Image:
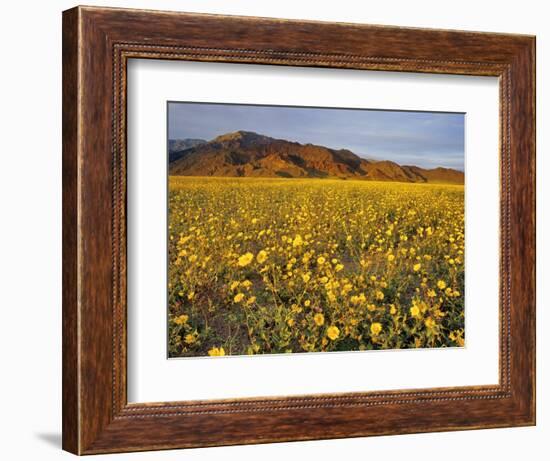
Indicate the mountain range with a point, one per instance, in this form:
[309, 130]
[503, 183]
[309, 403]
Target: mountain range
[248, 154]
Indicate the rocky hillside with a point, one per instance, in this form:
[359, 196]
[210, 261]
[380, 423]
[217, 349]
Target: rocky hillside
[248, 154]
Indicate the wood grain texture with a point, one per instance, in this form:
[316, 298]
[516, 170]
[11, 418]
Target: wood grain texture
[97, 43]
[70, 384]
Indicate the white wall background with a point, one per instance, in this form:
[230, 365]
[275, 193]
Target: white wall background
[30, 229]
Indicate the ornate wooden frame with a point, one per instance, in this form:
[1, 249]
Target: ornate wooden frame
[97, 43]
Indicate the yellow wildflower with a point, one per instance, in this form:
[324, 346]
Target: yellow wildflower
[375, 328]
[297, 241]
[319, 319]
[355, 300]
[321, 260]
[238, 297]
[333, 332]
[441, 284]
[190, 338]
[415, 311]
[429, 322]
[245, 259]
[416, 267]
[181, 319]
[262, 256]
[216, 352]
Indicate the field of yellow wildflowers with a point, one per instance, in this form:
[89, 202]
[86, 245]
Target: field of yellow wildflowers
[259, 265]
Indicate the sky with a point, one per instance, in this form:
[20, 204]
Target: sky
[424, 139]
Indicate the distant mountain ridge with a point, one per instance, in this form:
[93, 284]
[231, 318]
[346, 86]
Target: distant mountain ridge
[249, 154]
[179, 145]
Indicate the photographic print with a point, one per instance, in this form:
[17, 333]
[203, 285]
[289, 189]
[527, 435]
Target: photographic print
[310, 229]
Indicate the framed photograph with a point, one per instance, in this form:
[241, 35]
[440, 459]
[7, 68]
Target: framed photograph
[281, 230]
